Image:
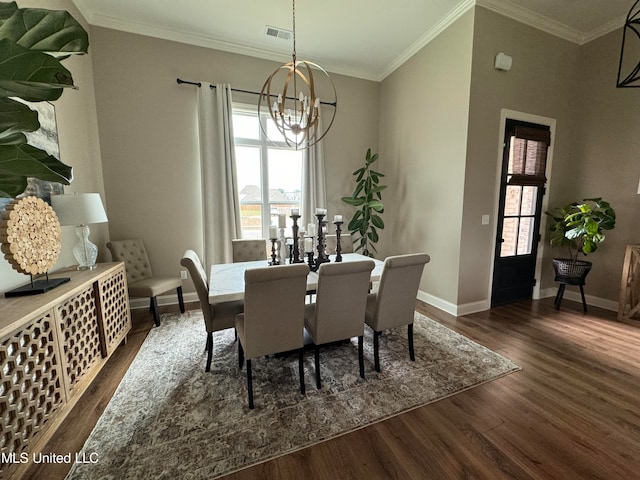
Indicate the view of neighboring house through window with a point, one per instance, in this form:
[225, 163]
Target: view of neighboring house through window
[269, 174]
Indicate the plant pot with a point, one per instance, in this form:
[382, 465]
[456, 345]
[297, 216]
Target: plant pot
[571, 272]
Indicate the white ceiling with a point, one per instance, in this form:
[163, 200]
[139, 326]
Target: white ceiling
[362, 38]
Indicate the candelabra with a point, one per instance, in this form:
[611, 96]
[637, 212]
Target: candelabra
[274, 257]
[282, 250]
[296, 247]
[322, 256]
[338, 247]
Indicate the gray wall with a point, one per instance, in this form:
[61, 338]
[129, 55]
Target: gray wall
[148, 135]
[541, 82]
[423, 131]
[605, 159]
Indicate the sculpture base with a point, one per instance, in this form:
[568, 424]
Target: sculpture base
[37, 287]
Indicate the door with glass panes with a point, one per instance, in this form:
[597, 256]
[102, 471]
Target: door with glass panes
[522, 187]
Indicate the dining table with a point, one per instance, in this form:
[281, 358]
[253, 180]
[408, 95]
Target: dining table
[226, 280]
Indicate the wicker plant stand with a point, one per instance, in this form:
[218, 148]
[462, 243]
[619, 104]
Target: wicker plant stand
[570, 272]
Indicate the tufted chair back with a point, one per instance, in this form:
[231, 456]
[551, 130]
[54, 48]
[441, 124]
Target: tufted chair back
[248, 250]
[134, 256]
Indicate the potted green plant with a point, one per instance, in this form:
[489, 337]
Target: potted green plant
[33, 42]
[579, 227]
[367, 195]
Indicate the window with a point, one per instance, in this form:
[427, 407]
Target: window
[269, 175]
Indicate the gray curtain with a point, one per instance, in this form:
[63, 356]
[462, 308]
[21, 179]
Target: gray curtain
[220, 202]
[314, 191]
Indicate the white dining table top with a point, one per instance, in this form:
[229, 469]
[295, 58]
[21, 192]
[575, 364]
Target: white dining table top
[226, 280]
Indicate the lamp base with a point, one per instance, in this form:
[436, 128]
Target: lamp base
[37, 287]
[89, 267]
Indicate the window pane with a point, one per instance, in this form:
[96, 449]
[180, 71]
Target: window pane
[512, 200]
[529, 199]
[249, 190]
[509, 236]
[525, 236]
[246, 126]
[285, 182]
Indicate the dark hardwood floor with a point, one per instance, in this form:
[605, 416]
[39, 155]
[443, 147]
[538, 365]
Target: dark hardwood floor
[573, 412]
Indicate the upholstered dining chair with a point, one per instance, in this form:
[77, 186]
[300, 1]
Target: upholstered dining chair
[346, 243]
[273, 318]
[339, 309]
[394, 303]
[248, 250]
[217, 316]
[141, 281]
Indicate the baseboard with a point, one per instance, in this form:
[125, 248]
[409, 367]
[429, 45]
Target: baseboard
[136, 303]
[574, 295]
[453, 309]
[481, 306]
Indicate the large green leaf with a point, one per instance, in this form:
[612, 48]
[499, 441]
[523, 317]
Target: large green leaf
[32, 76]
[6, 10]
[16, 117]
[29, 161]
[52, 31]
[12, 185]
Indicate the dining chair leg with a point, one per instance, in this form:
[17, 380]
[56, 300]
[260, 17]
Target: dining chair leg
[376, 354]
[154, 309]
[412, 355]
[361, 355]
[316, 354]
[301, 370]
[249, 384]
[240, 355]
[180, 299]
[209, 350]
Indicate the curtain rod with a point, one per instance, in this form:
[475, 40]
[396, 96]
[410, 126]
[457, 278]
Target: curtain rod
[199, 84]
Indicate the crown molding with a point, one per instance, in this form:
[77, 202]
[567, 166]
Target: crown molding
[548, 25]
[535, 20]
[145, 29]
[432, 33]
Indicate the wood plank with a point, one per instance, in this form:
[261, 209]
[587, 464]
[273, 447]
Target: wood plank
[572, 412]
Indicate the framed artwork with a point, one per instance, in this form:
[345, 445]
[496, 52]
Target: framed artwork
[45, 138]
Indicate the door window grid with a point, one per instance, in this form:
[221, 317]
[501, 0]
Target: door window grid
[526, 159]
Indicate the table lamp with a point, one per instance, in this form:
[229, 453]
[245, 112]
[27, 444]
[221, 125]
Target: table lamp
[81, 209]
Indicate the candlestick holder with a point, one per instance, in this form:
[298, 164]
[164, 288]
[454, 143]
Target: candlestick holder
[313, 266]
[322, 256]
[296, 244]
[338, 246]
[282, 247]
[274, 258]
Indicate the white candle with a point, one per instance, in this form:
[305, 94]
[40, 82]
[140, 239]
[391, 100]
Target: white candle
[337, 218]
[273, 231]
[321, 211]
[311, 229]
[308, 245]
[282, 220]
[295, 211]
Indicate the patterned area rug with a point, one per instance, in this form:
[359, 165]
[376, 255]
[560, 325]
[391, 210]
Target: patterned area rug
[170, 419]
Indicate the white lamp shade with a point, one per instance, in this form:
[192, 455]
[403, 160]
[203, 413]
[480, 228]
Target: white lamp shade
[79, 209]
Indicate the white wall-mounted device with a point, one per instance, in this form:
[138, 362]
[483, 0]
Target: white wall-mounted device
[503, 62]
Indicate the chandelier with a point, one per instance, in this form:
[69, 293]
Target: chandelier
[629, 68]
[295, 109]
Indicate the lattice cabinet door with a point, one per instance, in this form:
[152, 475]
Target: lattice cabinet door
[80, 336]
[31, 387]
[114, 302]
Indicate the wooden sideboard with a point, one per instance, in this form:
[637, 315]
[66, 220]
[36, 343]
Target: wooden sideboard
[52, 346]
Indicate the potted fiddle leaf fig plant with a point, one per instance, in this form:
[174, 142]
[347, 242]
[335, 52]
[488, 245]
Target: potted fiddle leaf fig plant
[367, 195]
[33, 43]
[579, 227]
